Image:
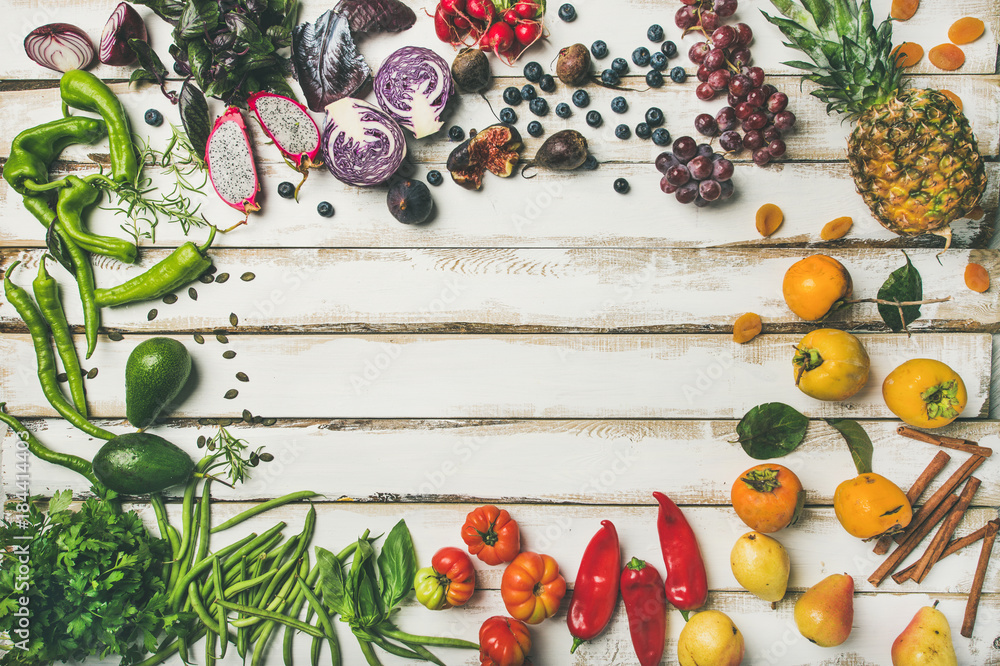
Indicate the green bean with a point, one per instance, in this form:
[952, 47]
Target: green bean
[298, 600]
[314, 651]
[210, 649]
[369, 652]
[324, 621]
[391, 631]
[273, 617]
[187, 516]
[281, 600]
[175, 544]
[261, 508]
[45, 359]
[182, 649]
[261, 646]
[178, 592]
[85, 285]
[236, 588]
[205, 520]
[46, 292]
[265, 592]
[221, 614]
[397, 650]
[424, 653]
[242, 634]
[199, 608]
[156, 499]
[167, 651]
[39, 450]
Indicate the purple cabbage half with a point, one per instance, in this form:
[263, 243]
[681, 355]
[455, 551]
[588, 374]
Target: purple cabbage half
[413, 85]
[362, 145]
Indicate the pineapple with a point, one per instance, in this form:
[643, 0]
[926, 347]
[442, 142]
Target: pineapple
[912, 153]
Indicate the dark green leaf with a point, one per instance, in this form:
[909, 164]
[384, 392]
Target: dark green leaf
[397, 564]
[194, 116]
[198, 18]
[771, 430]
[199, 58]
[904, 284]
[142, 75]
[56, 246]
[168, 10]
[858, 442]
[331, 574]
[148, 59]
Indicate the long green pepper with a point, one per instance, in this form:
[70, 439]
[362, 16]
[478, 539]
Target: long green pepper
[42, 452]
[46, 292]
[73, 201]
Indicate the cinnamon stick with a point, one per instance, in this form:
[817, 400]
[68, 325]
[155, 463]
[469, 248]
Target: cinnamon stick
[946, 442]
[972, 605]
[911, 541]
[939, 462]
[946, 530]
[954, 481]
[953, 547]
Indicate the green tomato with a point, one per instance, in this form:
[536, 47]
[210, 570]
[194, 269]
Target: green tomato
[429, 590]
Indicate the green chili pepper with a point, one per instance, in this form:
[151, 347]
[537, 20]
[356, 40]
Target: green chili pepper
[33, 151]
[47, 296]
[85, 285]
[39, 331]
[82, 90]
[185, 264]
[69, 461]
[73, 201]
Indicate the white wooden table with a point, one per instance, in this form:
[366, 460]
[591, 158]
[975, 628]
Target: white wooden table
[546, 344]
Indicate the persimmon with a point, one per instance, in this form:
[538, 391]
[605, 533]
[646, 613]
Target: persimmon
[870, 505]
[830, 364]
[768, 497]
[903, 10]
[947, 57]
[815, 286]
[908, 54]
[966, 30]
[925, 393]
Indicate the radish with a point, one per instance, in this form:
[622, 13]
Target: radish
[481, 9]
[499, 38]
[511, 17]
[526, 9]
[462, 23]
[527, 32]
[452, 7]
[446, 29]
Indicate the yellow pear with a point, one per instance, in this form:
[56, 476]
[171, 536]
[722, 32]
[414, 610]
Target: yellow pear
[926, 641]
[760, 564]
[710, 638]
[825, 612]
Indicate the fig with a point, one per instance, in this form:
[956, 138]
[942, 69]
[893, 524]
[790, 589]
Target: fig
[573, 65]
[471, 70]
[563, 151]
[410, 201]
[494, 149]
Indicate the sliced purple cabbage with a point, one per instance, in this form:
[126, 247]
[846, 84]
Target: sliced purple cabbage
[362, 145]
[327, 63]
[375, 16]
[413, 85]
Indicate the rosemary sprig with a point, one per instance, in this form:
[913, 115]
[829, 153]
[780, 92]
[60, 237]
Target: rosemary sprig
[229, 452]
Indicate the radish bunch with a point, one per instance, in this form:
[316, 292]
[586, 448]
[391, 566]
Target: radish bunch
[506, 27]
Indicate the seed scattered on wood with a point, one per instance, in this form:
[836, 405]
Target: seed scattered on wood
[221, 338]
[258, 419]
[769, 218]
[92, 373]
[201, 441]
[115, 336]
[211, 269]
[903, 10]
[199, 338]
[170, 299]
[269, 422]
[151, 315]
[966, 30]
[746, 328]
[977, 278]
[246, 277]
[234, 320]
[229, 353]
[61, 377]
[206, 279]
[247, 416]
[193, 293]
[947, 57]
[230, 394]
[206, 422]
[836, 228]
[242, 377]
[225, 423]
[221, 277]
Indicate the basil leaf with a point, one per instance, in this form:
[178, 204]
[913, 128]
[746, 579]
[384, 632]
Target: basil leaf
[397, 565]
[331, 576]
[142, 75]
[168, 10]
[56, 246]
[148, 60]
[771, 430]
[194, 116]
[904, 284]
[858, 442]
[198, 18]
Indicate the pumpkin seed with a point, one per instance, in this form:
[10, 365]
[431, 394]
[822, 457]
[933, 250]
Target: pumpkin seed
[170, 299]
[92, 373]
[229, 353]
[193, 293]
[206, 279]
[211, 270]
[225, 423]
[201, 441]
[269, 422]
[221, 277]
[233, 319]
[62, 378]
[151, 315]
[247, 416]
[266, 457]
[116, 336]
[230, 394]
[222, 338]
[254, 459]
[242, 376]
[199, 338]
[257, 420]
[246, 277]
[206, 422]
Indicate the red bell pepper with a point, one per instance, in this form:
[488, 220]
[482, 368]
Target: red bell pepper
[646, 605]
[687, 583]
[596, 591]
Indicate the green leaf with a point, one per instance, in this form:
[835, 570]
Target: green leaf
[331, 576]
[60, 501]
[142, 75]
[194, 116]
[148, 60]
[771, 430]
[904, 284]
[198, 18]
[397, 565]
[858, 442]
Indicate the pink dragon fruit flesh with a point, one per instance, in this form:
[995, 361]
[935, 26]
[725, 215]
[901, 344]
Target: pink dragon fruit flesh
[289, 125]
[230, 163]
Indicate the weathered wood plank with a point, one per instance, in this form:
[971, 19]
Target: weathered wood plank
[576, 209]
[522, 376]
[598, 462]
[539, 290]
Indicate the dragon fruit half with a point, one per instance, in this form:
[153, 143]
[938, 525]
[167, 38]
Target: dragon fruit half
[292, 129]
[230, 163]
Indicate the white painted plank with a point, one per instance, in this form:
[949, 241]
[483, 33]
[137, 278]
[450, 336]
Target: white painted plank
[523, 376]
[469, 290]
[928, 26]
[591, 462]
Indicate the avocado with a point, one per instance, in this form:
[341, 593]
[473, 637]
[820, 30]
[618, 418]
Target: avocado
[155, 373]
[137, 463]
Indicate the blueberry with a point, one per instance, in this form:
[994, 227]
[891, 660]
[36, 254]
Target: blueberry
[563, 110]
[547, 83]
[590, 164]
[533, 71]
[641, 57]
[659, 61]
[654, 79]
[661, 137]
[619, 105]
[286, 190]
[512, 96]
[654, 117]
[528, 92]
[678, 75]
[567, 12]
[609, 77]
[643, 131]
[620, 66]
[539, 106]
[623, 132]
[594, 118]
[581, 98]
[434, 177]
[668, 48]
[325, 208]
[153, 118]
[621, 186]
[599, 49]
[508, 116]
[456, 133]
[535, 128]
[655, 33]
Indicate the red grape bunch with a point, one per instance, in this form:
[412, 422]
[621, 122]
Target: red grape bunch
[695, 173]
[756, 108]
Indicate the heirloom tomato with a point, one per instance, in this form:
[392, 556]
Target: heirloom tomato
[449, 581]
[504, 641]
[492, 535]
[532, 587]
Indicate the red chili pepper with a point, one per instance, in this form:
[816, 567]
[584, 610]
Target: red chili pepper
[687, 584]
[646, 606]
[596, 591]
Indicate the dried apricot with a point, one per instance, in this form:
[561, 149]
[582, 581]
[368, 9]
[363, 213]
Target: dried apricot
[976, 213]
[746, 328]
[947, 57]
[953, 97]
[966, 30]
[903, 10]
[769, 218]
[976, 278]
[836, 228]
[908, 54]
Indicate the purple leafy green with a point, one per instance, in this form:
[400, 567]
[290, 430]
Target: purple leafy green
[376, 16]
[327, 63]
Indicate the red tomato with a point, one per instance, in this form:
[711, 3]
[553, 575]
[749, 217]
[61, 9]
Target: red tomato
[503, 641]
[532, 587]
[492, 535]
[456, 566]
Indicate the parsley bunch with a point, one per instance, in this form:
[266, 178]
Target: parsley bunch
[94, 584]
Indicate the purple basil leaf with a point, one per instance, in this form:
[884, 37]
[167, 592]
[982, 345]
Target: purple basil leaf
[327, 63]
[376, 16]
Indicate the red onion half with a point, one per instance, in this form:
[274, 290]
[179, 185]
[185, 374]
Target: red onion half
[59, 46]
[124, 24]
